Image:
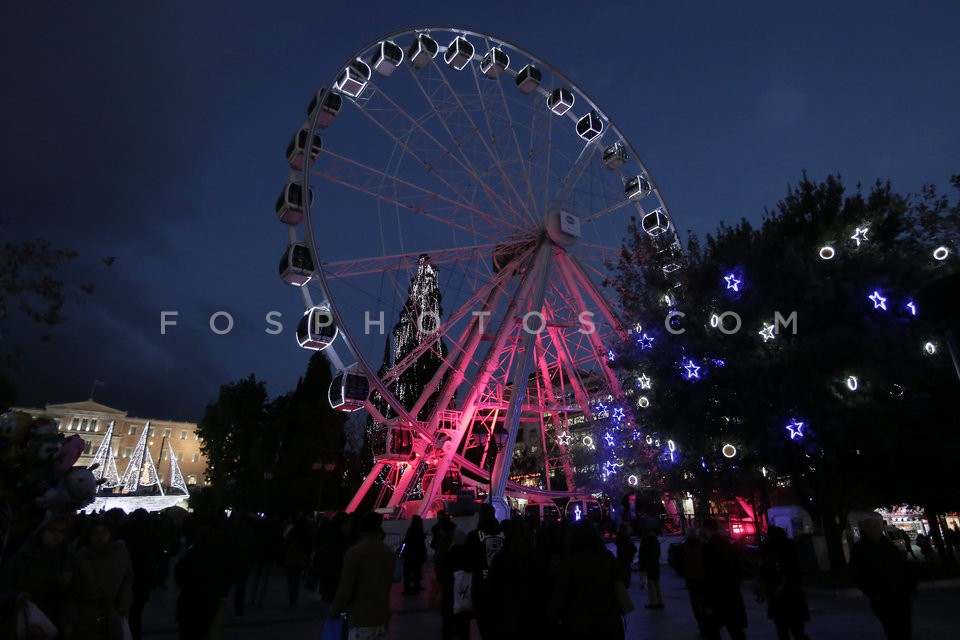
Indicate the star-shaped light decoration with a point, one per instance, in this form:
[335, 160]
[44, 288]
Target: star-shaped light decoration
[911, 307]
[600, 410]
[645, 342]
[879, 302]
[618, 414]
[860, 235]
[796, 429]
[644, 381]
[564, 439]
[732, 283]
[608, 437]
[693, 370]
[610, 468]
[767, 332]
[611, 356]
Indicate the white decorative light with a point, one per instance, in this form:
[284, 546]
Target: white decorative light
[729, 451]
[860, 235]
[827, 252]
[588, 441]
[767, 332]
[564, 439]
[644, 381]
[632, 480]
[643, 402]
[940, 253]
[930, 348]
[852, 383]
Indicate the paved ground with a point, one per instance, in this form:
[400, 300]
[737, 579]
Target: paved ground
[834, 615]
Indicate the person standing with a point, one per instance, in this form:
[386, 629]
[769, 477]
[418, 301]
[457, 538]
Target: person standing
[103, 586]
[650, 565]
[483, 543]
[364, 588]
[414, 554]
[781, 585]
[882, 572]
[583, 599]
[626, 550]
[42, 572]
[694, 576]
[722, 602]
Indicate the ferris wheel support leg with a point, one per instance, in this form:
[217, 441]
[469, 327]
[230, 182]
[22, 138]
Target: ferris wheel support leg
[521, 377]
[365, 487]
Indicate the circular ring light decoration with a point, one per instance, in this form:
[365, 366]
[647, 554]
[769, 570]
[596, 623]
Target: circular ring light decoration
[588, 441]
[930, 348]
[941, 253]
[671, 445]
[714, 321]
[852, 383]
[643, 402]
[827, 252]
[729, 451]
[633, 481]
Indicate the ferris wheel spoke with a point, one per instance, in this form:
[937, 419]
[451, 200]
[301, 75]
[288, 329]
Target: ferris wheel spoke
[411, 135]
[505, 143]
[389, 188]
[460, 127]
[405, 262]
[611, 209]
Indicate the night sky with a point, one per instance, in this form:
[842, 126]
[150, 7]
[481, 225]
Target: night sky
[155, 133]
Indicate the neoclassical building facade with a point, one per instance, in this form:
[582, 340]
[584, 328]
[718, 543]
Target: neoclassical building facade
[91, 420]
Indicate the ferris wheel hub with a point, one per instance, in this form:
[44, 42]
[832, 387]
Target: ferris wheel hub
[563, 227]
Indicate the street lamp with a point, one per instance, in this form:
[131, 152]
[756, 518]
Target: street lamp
[324, 468]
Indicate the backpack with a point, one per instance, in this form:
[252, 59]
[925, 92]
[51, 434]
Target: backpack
[492, 544]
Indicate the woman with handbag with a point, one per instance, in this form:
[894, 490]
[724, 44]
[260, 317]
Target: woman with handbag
[103, 587]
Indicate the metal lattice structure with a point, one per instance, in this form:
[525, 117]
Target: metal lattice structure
[518, 188]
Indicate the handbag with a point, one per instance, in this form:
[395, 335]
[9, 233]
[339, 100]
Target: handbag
[623, 598]
[33, 624]
[332, 629]
[462, 591]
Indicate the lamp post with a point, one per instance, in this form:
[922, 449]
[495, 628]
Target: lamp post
[324, 468]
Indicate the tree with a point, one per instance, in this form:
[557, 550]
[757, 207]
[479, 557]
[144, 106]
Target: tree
[237, 442]
[31, 286]
[310, 437]
[827, 403]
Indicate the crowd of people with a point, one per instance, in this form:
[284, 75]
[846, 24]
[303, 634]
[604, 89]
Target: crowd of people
[91, 576]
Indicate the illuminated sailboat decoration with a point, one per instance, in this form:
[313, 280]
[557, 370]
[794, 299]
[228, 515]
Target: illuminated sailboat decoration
[176, 478]
[105, 468]
[141, 472]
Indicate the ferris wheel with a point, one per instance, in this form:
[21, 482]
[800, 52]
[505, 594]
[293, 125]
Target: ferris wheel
[453, 207]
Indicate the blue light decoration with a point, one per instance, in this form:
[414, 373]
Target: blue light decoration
[608, 437]
[600, 410]
[618, 414]
[611, 356]
[796, 429]
[610, 468]
[879, 302]
[733, 284]
[645, 342]
[692, 370]
[717, 362]
[911, 307]
[860, 235]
